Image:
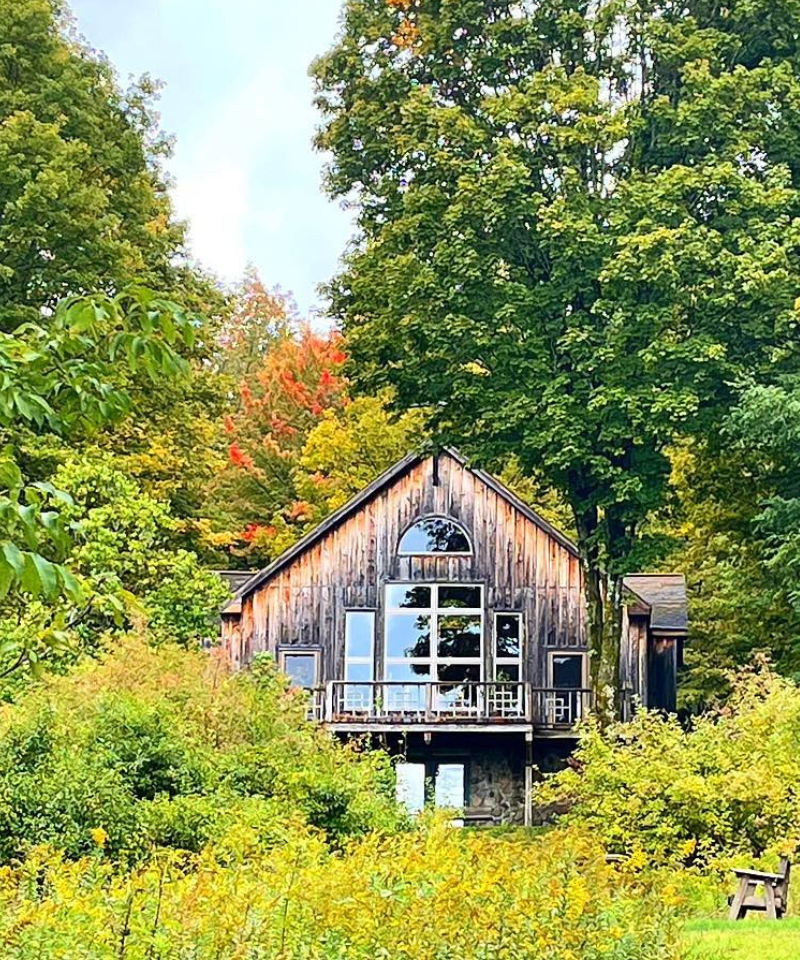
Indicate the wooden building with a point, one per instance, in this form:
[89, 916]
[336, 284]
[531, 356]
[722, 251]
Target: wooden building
[440, 613]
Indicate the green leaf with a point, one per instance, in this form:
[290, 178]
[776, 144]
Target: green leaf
[14, 557]
[72, 586]
[48, 575]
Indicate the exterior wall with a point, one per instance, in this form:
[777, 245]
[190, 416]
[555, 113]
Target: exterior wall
[634, 654]
[522, 567]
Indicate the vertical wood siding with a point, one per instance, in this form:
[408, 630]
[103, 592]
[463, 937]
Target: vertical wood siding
[520, 565]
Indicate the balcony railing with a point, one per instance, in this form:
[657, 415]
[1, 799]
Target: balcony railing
[420, 702]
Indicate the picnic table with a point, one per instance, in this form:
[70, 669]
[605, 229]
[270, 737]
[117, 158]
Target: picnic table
[774, 900]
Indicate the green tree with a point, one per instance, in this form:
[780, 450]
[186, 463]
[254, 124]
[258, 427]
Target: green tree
[83, 201]
[738, 517]
[63, 380]
[577, 234]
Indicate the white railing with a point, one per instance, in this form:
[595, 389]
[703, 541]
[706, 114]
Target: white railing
[498, 702]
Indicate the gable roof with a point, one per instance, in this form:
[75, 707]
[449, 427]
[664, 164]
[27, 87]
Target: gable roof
[665, 596]
[385, 480]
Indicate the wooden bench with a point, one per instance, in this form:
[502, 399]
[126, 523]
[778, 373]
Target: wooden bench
[776, 892]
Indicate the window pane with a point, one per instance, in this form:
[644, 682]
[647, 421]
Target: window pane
[508, 635]
[460, 636]
[301, 668]
[358, 672]
[434, 535]
[464, 597]
[408, 672]
[507, 673]
[411, 786]
[459, 673]
[359, 629]
[408, 636]
[568, 671]
[406, 596]
[449, 790]
[452, 692]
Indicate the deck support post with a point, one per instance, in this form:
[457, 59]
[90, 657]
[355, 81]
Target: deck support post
[529, 778]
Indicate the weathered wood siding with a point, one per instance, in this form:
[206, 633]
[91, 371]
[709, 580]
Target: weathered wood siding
[521, 566]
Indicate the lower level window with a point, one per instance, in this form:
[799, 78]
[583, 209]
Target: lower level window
[301, 667]
[442, 783]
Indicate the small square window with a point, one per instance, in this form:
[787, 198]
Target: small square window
[301, 668]
[567, 671]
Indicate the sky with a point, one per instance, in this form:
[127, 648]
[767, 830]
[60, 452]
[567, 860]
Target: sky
[238, 102]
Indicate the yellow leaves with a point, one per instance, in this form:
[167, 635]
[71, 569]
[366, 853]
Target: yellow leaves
[99, 836]
[425, 895]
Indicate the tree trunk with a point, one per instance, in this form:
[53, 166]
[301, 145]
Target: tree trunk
[603, 597]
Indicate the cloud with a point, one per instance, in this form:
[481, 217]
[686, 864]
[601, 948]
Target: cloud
[238, 100]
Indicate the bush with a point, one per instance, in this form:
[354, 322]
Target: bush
[728, 786]
[164, 746]
[434, 894]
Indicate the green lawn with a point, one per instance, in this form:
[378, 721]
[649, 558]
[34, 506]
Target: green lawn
[751, 939]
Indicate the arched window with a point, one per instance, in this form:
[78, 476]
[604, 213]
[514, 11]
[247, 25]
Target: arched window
[434, 535]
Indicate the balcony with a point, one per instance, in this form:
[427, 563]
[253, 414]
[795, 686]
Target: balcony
[388, 706]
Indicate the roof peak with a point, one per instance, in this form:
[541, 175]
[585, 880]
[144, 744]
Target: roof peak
[385, 479]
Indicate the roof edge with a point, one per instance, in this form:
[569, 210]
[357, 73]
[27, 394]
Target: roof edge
[331, 521]
[372, 489]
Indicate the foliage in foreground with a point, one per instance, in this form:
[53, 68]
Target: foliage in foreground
[728, 786]
[434, 894]
[166, 748]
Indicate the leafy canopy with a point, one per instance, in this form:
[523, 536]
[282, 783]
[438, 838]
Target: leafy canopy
[578, 232]
[83, 201]
[160, 747]
[725, 787]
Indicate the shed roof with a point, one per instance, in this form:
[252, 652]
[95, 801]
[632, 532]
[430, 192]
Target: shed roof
[665, 595]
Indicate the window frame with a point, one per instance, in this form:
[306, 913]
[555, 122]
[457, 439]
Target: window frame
[434, 612]
[298, 651]
[517, 661]
[435, 553]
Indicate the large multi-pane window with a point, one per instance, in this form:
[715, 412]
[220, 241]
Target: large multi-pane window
[434, 632]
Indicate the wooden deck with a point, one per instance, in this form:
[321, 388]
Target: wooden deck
[427, 706]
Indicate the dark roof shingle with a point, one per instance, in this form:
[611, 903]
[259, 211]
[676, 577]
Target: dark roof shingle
[665, 594]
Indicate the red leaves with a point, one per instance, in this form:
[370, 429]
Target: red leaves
[283, 399]
[256, 531]
[240, 458]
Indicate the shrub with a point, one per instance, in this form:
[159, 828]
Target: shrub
[434, 894]
[164, 746]
[727, 786]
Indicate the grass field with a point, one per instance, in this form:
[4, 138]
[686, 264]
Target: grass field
[751, 939]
